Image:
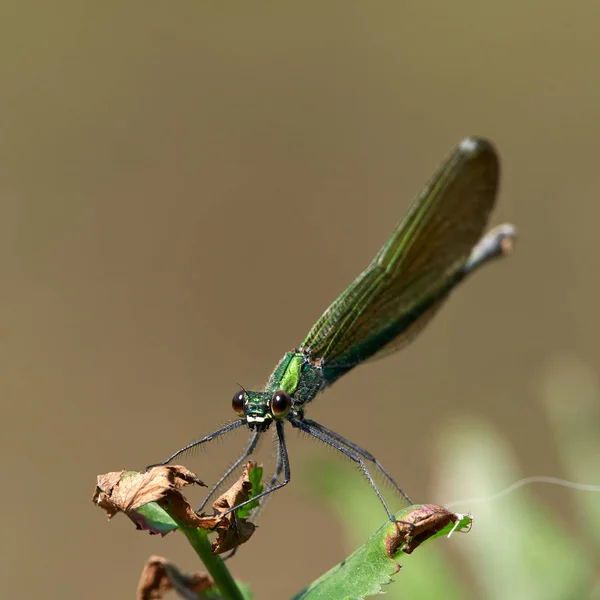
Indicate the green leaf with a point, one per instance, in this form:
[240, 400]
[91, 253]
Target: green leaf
[426, 574]
[153, 517]
[365, 571]
[255, 474]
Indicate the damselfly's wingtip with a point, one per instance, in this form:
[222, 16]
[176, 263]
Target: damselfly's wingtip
[474, 144]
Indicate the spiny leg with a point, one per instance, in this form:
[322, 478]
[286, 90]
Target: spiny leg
[286, 471]
[233, 467]
[254, 515]
[278, 469]
[360, 451]
[326, 439]
[211, 436]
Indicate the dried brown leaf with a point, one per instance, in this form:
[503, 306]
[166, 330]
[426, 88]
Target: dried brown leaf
[160, 576]
[232, 531]
[125, 491]
[422, 523]
[237, 533]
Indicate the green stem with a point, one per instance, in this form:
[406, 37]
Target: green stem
[214, 564]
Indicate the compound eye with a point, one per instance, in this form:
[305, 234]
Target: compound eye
[237, 403]
[281, 404]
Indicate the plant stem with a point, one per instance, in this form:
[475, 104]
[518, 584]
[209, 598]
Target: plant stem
[214, 564]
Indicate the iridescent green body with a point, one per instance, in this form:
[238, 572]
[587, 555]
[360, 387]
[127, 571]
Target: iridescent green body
[431, 250]
[402, 288]
[302, 378]
[295, 375]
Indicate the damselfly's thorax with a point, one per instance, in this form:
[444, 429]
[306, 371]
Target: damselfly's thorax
[294, 382]
[297, 375]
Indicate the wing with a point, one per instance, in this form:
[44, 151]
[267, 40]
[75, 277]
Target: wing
[427, 250]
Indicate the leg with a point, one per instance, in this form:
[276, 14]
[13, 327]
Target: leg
[233, 467]
[254, 515]
[273, 481]
[326, 439]
[215, 434]
[282, 451]
[360, 451]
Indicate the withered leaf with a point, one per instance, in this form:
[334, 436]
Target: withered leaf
[160, 576]
[237, 533]
[132, 493]
[232, 531]
[418, 526]
[128, 492]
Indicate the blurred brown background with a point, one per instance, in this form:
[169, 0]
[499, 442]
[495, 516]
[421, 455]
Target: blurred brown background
[186, 185]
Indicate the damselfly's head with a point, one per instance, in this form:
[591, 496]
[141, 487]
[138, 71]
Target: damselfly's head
[259, 409]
